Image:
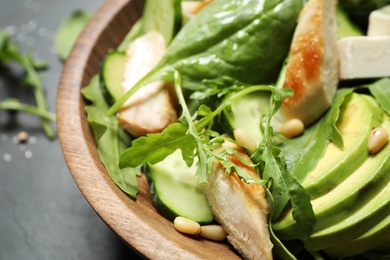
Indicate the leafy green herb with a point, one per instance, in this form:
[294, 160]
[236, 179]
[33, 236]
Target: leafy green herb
[13, 104]
[279, 250]
[284, 186]
[110, 138]
[217, 87]
[9, 52]
[194, 139]
[155, 147]
[381, 91]
[69, 31]
[227, 33]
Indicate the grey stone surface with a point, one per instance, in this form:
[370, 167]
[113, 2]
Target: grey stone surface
[43, 215]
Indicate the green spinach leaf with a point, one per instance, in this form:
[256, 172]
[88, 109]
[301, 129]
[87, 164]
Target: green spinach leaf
[246, 40]
[110, 139]
[381, 91]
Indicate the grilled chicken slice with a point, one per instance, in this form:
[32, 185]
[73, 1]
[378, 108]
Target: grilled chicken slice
[312, 68]
[241, 209]
[153, 107]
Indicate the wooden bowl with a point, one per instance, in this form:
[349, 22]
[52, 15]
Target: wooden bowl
[135, 221]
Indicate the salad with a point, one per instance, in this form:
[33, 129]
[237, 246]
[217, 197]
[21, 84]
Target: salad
[254, 115]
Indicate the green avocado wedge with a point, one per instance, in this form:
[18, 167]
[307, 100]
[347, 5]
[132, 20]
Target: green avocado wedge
[368, 241]
[175, 190]
[359, 115]
[354, 226]
[350, 195]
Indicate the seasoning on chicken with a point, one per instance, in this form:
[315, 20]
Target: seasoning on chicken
[241, 208]
[153, 107]
[312, 68]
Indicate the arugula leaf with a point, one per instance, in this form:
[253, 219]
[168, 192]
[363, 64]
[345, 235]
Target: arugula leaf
[227, 32]
[10, 52]
[155, 147]
[194, 139]
[12, 104]
[284, 186]
[381, 91]
[69, 31]
[218, 87]
[279, 250]
[110, 139]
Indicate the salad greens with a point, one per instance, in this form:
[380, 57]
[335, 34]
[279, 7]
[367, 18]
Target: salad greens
[110, 138]
[211, 68]
[381, 92]
[68, 32]
[9, 52]
[228, 34]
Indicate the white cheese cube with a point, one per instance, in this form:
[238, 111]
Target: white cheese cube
[364, 57]
[379, 22]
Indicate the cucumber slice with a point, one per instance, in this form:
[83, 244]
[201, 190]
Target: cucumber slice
[112, 74]
[162, 16]
[245, 113]
[175, 190]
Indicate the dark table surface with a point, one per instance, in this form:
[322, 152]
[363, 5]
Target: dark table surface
[43, 215]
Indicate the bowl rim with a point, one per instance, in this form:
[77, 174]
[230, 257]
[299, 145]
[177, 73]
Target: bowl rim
[79, 149]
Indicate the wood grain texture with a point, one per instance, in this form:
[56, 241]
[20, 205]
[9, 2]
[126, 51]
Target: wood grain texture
[135, 221]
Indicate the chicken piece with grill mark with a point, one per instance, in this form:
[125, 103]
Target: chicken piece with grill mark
[241, 208]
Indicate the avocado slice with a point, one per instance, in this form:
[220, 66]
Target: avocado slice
[345, 25]
[352, 227]
[369, 219]
[372, 239]
[359, 114]
[341, 175]
[353, 193]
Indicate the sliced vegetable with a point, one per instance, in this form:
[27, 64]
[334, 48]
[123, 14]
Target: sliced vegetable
[112, 71]
[162, 16]
[245, 113]
[175, 190]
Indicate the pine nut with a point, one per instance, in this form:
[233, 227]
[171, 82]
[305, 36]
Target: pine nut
[244, 139]
[292, 128]
[213, 232]
[22, 136]
[187, 226]
[377, 140]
